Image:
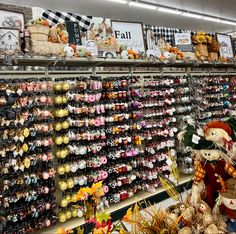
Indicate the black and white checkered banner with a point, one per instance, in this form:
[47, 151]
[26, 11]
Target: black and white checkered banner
[166, 33]
[61, 17]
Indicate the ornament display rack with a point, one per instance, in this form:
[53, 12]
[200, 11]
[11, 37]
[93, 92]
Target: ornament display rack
[128, 67]
[118, 210]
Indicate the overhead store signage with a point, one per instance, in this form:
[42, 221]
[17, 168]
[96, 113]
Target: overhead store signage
[129, 34]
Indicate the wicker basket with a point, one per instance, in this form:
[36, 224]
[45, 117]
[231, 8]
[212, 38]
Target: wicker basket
[47, 48]
[38, 32]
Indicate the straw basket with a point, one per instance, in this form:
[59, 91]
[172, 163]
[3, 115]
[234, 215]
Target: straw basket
[53, 32]
[47, 48]
[38, 32]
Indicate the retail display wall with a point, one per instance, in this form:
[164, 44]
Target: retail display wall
[73, 131]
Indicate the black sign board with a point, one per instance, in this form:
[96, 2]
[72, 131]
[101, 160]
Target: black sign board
[74, 32]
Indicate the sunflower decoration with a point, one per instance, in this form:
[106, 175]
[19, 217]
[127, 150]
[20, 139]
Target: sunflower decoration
[202, 38]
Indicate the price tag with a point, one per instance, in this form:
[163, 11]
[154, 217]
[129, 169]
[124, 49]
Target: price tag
[195, 139]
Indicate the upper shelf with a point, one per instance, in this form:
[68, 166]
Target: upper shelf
[103, 62]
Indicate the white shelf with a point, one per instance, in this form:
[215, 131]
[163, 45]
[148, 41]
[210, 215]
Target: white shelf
[103, 62]
[75, 222]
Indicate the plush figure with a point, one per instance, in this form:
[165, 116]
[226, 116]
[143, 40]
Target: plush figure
[206, 219]
[81, 51]
[124, 54]
[69, 51]
[222, 134]
[218, 132]
[211, 164]
[227, 205]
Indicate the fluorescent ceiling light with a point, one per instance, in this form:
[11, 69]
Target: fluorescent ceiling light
[142, 5]
[119, 1]
[228, 22]
[211, 19]
[169, 10]
[191, 15]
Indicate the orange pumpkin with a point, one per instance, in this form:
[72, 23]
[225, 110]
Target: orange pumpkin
[54, 39]
[130, 51]
[73, 46]
[64, 39]
[172, 50]
[137, 56]
[46, 23]
[60, 33]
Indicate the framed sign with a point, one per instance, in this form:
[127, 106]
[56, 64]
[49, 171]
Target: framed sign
[10, 19]
[129, 34]
[91, 46]
[9, 39]
[234, 45]
[183, 41]
[74, 32]
[226, 45]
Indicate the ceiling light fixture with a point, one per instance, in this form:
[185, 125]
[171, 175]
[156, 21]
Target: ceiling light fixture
[176, 11]
[228, 22]
[143, 5]
[169, 10]
[119, 1]
[211, 19]
[191, 15]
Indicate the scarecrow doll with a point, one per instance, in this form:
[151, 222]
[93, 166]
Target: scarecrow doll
[212, 165]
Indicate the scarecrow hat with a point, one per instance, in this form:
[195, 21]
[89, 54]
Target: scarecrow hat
[218, 124]
[230, 189]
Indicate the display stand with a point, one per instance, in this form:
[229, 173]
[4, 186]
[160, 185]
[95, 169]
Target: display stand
[131, 67]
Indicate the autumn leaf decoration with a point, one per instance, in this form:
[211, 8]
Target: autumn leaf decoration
[173, 167]
[169, 187]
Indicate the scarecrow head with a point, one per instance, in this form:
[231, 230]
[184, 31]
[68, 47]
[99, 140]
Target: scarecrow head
[217, 131]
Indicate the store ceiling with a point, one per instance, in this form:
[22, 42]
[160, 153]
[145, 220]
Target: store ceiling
[104, 8]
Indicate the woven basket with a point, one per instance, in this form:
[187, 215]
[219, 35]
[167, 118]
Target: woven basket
[53, 32]
[47, 48]
[38, 32]
[202, 49]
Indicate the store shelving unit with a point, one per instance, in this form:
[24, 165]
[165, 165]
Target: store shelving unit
[116, 210]
[103, 62]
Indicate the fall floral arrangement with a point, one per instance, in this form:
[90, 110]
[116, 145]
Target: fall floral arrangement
[202, 38]
[102, 224]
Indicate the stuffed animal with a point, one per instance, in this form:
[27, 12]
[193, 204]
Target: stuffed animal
[124, 54]
[222, 134]
[69, 51]
[211, 164]
[227, 205]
